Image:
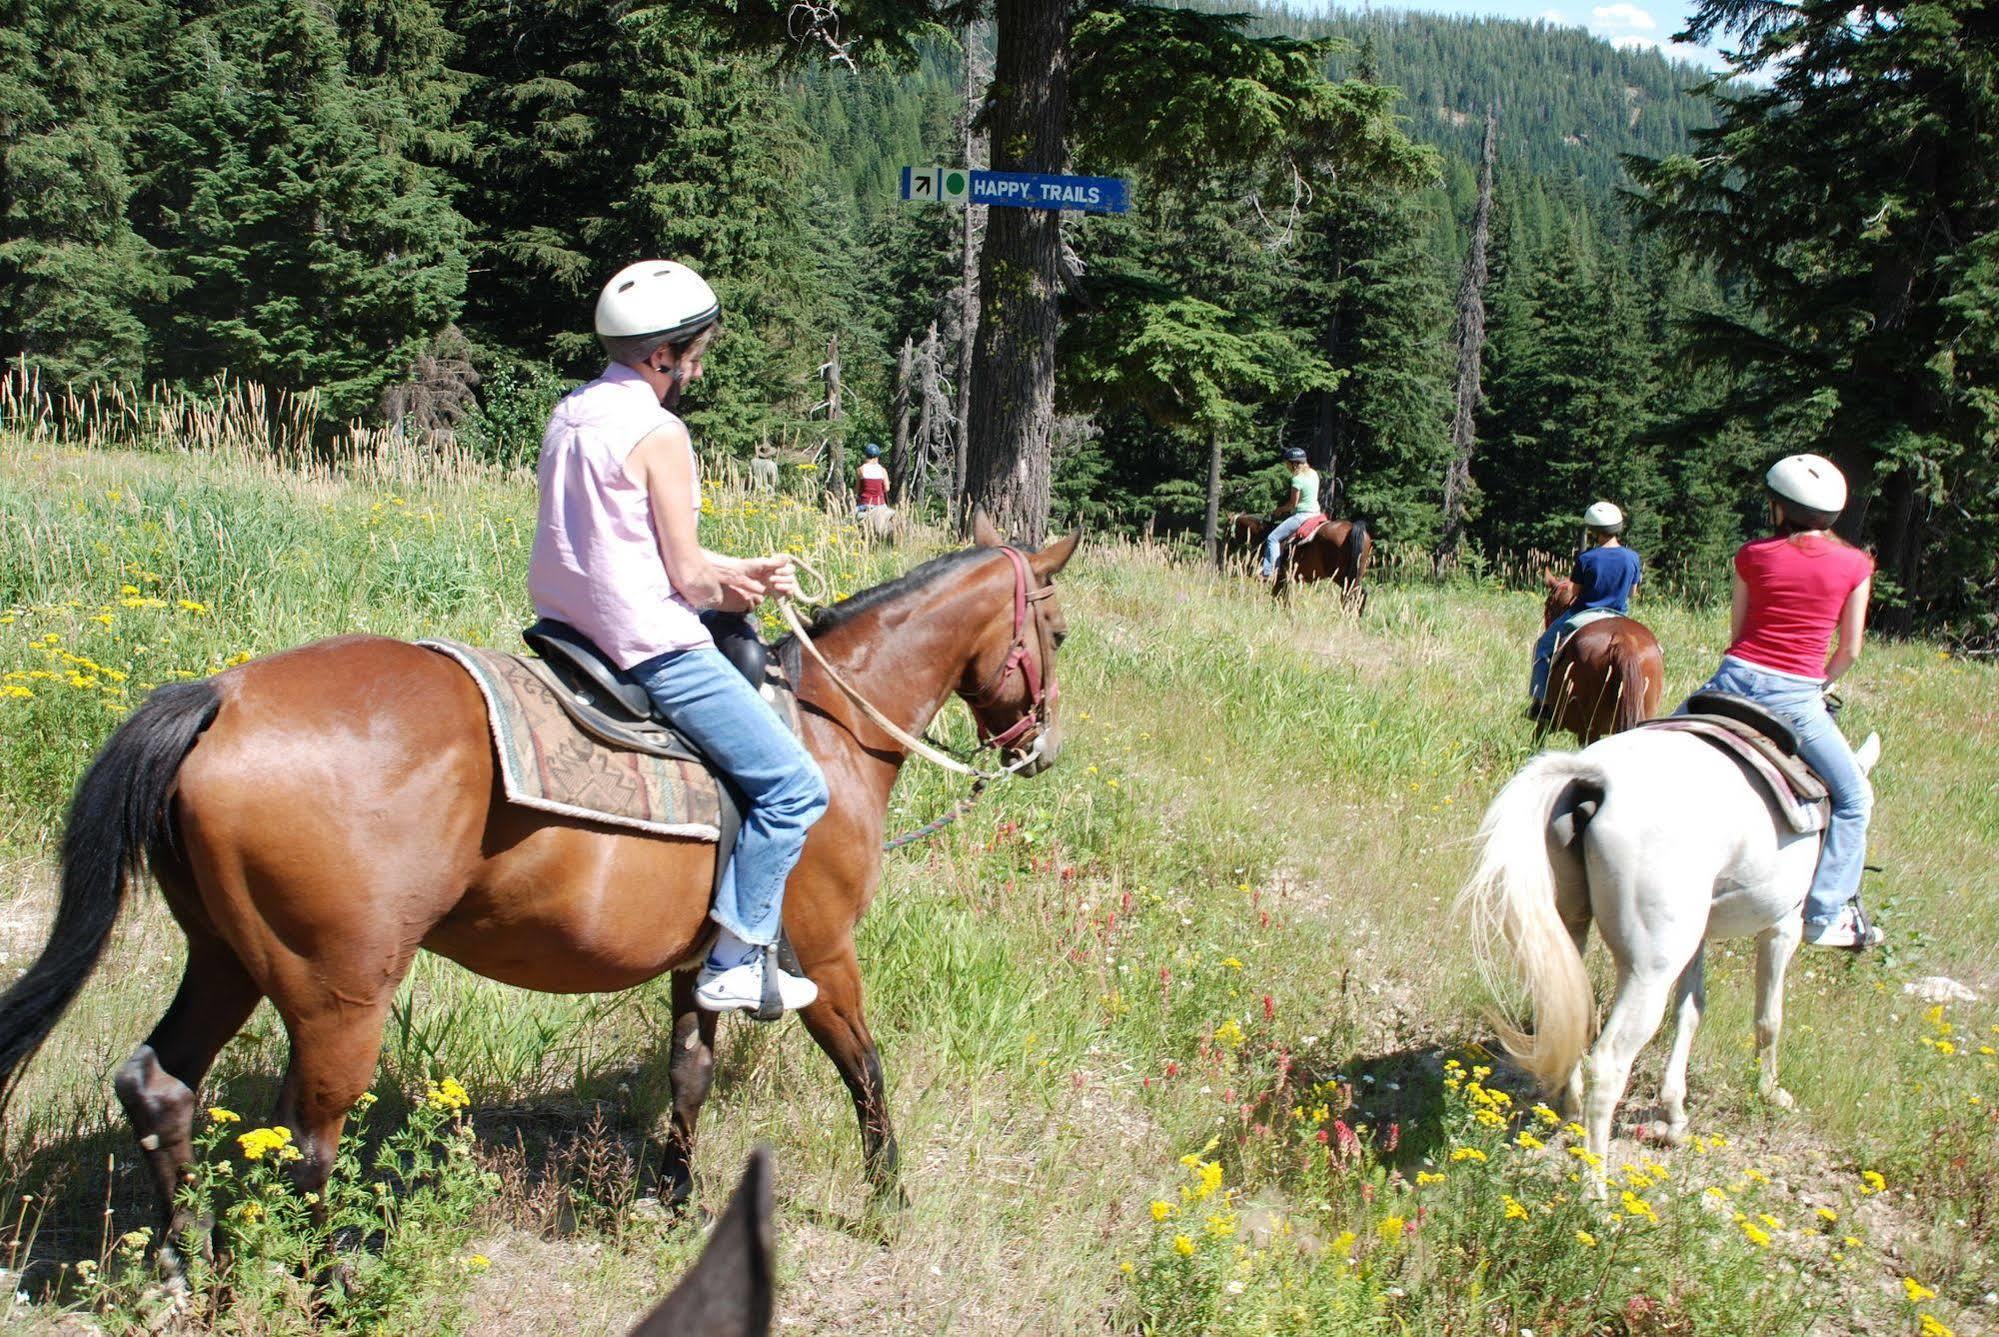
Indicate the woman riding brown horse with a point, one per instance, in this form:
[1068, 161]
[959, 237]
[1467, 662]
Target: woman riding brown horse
[1607, 677]
[1339, 551]
[316, 817]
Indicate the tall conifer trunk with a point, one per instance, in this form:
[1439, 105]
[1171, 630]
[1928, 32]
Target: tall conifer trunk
[1471, 348]
[968, 289]
[1211, 529]
[1008, 469]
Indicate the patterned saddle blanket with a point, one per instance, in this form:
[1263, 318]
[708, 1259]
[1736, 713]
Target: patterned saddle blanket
[548, 762]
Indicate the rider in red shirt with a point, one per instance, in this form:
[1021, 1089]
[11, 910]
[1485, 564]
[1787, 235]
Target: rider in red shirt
[1793, 593]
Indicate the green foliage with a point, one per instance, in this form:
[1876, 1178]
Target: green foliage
[395, 1229]
[306, 253]
[1854, 194]
[72, 270]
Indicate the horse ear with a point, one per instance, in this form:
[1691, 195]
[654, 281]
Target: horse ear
[1550, 579]
[983, 532]
[1051, 559]
[728, 1292]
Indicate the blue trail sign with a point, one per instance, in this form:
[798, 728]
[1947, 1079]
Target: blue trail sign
[1020, 190]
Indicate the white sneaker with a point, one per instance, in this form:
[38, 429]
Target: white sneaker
[741, 988]
[1849, 928]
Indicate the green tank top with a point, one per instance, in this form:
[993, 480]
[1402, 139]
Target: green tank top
[1307, 484]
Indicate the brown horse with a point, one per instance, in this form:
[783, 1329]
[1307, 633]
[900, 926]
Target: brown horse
[316, 817]
[1608, 675]
[1339, 551]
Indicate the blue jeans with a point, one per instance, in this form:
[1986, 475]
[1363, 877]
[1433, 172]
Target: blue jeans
[784, 793]
[1544, 655]
[1800, 702]
[1288, 526]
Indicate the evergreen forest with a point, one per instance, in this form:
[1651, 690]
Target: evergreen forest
[406, 208]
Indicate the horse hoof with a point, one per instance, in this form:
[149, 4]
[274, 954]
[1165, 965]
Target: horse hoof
[1671, 1134]
[1781, 1098]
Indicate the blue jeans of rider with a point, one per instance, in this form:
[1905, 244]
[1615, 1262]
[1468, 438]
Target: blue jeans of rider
[1544, 655]
[1801, 703]
[782, 788]
[1286, 527]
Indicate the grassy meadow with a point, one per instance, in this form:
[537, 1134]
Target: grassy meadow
[1180, 1037]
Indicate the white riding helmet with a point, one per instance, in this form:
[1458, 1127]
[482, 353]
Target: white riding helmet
[1812, 481]
[1603, 515]
[656, 297]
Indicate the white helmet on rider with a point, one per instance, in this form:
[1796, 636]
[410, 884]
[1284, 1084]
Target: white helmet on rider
[654, 302]
[1605, 516]
[1810, 481]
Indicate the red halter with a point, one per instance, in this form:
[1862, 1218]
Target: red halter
[1041, 696]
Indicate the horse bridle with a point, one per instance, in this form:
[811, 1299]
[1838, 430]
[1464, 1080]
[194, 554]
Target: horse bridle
[1042, 692]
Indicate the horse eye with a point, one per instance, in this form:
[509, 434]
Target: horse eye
[1060, 637]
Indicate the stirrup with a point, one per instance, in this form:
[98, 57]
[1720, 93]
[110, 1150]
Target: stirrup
[771, 1006]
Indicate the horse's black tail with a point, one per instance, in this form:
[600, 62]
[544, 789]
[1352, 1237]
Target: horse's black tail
[1356, 546]
[118, 817]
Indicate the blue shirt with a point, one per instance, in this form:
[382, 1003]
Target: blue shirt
[1605, 577]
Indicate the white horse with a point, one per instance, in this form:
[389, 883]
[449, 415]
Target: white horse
[1665, 842]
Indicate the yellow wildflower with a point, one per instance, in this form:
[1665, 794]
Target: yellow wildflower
[1424, 1179]
[1528, 1142]
[1515, 1210]
[1871, 1182]
[1468, 1154]
[1916, 1291]
[1391, 1228]
[1183, 1246]
[1546, 1115]
[1229, 1034]
[218, 1115]
[260, 1142]
[1637, 1206]
[1584, 1238]
[1587, 1157]
[478, 1262]
[1221, 1224]
[1161, 1210]
[1933, 1328]
[1755, 1236]
[1344, 1241]
[1231, 962]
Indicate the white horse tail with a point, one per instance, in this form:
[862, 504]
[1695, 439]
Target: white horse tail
[1511, 895]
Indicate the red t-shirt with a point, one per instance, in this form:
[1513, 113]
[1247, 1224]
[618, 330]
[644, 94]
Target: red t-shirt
[1796, 588]
[874, 485]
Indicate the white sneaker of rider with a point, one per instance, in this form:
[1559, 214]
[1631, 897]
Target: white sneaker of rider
[1846, 929]
[741, 988]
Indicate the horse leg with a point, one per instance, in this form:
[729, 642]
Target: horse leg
[690, 1069]
[838, 1024]
[1634, 1016]
[1673, 1089]
[1572, 1094]
[159, 1084]
[1774, 947]
[334, 1044]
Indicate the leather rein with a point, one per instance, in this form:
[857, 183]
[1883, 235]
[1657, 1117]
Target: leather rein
[1021, 656]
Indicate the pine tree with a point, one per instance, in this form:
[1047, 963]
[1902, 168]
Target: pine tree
[74, 277]
[308, 253]
[1855, 193]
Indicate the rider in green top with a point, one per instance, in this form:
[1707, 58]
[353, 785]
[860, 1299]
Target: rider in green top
[1302, 505]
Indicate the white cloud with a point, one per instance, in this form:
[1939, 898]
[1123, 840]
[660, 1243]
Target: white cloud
[1553, 16]
[1622, 15]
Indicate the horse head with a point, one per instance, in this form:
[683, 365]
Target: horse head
[1561, 594]
[1009, 680]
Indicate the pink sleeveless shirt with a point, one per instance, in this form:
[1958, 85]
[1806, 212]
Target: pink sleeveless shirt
[596, 563]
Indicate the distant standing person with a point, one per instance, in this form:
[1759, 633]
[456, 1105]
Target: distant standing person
[1300, 505]
[873, 481]
[763, 469]
[1606, 572]
[1793, 593]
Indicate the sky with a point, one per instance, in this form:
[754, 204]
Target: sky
[1628, 23]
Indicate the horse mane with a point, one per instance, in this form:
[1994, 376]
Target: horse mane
[851, 607]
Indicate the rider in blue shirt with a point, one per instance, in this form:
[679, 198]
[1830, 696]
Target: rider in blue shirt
[1605, 575]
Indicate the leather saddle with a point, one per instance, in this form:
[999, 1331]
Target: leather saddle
[1309, 530]
[607, 703]
[1765, 746]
